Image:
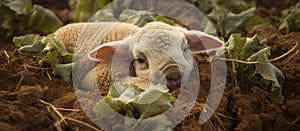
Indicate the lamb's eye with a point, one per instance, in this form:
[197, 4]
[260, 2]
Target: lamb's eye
[140, 60]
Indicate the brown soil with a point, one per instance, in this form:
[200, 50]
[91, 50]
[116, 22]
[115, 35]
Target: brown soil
[23, 90]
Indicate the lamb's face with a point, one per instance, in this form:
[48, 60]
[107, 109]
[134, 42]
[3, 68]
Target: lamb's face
[161, 53]
[162, 57]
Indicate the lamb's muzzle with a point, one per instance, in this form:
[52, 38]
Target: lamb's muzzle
[173, 77]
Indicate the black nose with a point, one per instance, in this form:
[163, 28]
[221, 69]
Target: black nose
[173, 83]
[173, 77]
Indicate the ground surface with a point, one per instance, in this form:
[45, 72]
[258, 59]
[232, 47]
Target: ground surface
[248, 108]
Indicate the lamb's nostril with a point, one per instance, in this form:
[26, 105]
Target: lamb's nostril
[173, 83]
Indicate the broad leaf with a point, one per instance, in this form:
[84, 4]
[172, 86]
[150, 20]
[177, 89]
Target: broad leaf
[41, 19]
[28, 39]
[84, 9]
[228, 22]
[269, 72]
[234, 48]
[139, 18]
[20, 15]
[64, 71]
[103, 15]
[149, 103]
[21, 7]
[255, 50]
[33, 50]
[291, 19]
[50, 51]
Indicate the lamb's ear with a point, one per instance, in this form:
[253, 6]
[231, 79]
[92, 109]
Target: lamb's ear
[199, 41]
[105, 52]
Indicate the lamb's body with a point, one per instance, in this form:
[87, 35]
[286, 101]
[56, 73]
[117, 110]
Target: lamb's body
[170, 55]
[97, 34]
[106, 31]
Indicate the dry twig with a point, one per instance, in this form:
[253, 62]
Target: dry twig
[295, 121]
[225, 116]
[7, 56]
[63, 118]
[19, 83]
[49, 76]
[37, 68]
[220, 122]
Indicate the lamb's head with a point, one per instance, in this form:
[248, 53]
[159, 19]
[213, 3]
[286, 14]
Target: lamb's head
[161, 56]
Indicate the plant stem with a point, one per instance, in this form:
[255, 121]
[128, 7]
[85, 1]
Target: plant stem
[63, 118]
[285, 54]
[238, 61]
[142, 117]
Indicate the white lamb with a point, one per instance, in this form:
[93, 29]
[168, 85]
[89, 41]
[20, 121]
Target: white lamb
[162, 54]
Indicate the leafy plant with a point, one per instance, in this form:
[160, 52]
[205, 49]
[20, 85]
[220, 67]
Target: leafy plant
[84, 9]
[139, 18]
[143, 105]
[227, 22]
[250, 56]
[50, 52]
[291, 19]
[20, 15]
[206, 6]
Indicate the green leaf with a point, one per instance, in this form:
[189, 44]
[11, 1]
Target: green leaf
[84, 9]
[103, 110]
[291, 19]
[235, 23]
[164, 20]
[7, 20]
[20, 16]
[117, 89]
[125, 97]
[49, 59]
[235, 6]
[228, 22]
[34, 49]
[64, 71]
[28, 39]
[103, 15]
[139, 18]
[269, 72]
[156, 123]
[42, 20]
[234, 48]
[50, 51]
[251, 46]
[20, 7]
[255, 21]
[206, 6]
[255, 50]
[258, 54]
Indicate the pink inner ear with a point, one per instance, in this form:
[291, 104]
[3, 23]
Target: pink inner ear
[198, 42]
[210, 43]
[104, 53]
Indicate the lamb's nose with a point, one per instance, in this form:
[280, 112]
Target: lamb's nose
[173, 83]
[173, 77]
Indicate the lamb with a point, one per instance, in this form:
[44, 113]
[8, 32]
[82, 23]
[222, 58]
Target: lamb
[158, 53]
